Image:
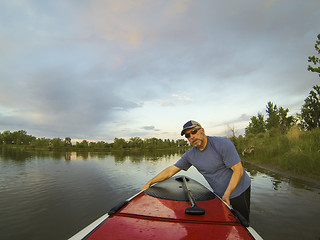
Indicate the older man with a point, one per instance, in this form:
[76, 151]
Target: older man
[217, 159]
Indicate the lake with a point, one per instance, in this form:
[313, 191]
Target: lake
[53, 195]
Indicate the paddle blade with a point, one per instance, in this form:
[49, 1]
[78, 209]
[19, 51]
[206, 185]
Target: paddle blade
[195, 210]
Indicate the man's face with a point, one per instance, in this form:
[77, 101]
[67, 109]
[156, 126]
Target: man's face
[195, 136]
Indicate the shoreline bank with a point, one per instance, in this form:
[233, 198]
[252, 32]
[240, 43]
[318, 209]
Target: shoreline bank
[313, 180]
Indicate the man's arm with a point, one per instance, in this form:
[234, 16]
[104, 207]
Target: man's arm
[234, 181]
[165, 174]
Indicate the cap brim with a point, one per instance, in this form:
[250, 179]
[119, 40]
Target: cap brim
[183, 131]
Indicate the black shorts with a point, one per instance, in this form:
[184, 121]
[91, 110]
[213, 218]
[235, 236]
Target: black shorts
[242, 203]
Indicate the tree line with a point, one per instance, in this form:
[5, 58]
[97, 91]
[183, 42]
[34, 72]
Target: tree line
[21, 138]
[277, 117]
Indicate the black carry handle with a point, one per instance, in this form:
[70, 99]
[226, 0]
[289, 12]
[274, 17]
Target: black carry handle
[120, 205]
[194, 209]
[116, 208]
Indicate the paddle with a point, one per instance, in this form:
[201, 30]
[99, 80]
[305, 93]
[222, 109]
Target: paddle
[194, 209]
[241, 218]
[243, 221]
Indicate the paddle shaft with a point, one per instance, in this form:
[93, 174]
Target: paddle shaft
[194, 209]
[190, 196]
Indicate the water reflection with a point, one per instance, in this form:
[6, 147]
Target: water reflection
[276, 184]
[277, 178]
[149, 155]
[139, 156]
[45, 187]
[283, 207]
[14, 154]
[119, 156]
[22, 155]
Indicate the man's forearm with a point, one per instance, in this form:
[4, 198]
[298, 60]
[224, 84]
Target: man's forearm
[234, 181]
[165, 174]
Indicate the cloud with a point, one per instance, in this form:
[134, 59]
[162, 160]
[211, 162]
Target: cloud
[150, 128]
[242, 118]
[63, 100]
[90, 68]
[174, 99]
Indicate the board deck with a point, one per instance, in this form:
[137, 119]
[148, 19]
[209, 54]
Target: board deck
[159, 213]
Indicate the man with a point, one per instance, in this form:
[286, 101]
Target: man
[216, 158]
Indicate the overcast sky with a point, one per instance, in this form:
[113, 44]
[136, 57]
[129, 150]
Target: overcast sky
[100, 69]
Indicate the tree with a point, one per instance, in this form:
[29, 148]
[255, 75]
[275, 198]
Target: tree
[285, 121]
[19, 137]
[135, 142]
[101, 145]
[310, 112]
[182, 143]
[257, 125]
[315, 60]
[273, 120]
[67, 142]
[119, 143]
[41, 142]
[7, 137]
[56, 143]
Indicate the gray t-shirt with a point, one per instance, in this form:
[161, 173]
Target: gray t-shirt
[214, 164]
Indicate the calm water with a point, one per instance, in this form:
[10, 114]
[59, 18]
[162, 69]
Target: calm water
[54, 195]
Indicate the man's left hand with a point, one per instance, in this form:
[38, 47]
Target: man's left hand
[226, 199]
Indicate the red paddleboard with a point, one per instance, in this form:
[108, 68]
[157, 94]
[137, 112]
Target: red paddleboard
[160, 212]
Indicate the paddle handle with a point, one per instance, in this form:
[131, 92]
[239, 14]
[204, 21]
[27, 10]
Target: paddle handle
[194, 209]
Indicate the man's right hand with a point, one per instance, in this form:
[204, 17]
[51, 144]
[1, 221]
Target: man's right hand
[165, 174]
[145, 187]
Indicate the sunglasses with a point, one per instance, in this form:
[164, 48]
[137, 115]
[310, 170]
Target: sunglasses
[187, 135]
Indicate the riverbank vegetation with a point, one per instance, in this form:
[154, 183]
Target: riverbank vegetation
[289, 143]
[295, 151]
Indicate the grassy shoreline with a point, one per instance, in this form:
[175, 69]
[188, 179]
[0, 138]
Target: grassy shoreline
[296, 152]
